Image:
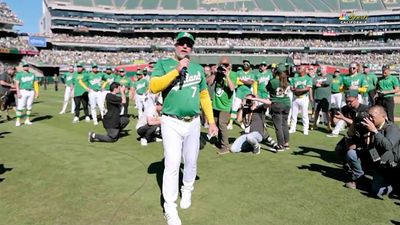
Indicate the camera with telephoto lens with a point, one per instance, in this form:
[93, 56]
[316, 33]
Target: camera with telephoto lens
[248, 103]
[221, 70]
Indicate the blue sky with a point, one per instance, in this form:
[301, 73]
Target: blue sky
[29, 11]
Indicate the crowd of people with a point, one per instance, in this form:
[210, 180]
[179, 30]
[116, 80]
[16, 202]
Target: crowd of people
[175, 97]
[16, 43]
[7, 15]
[211, 41]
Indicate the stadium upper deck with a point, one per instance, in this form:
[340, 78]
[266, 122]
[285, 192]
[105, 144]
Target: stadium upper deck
[316, 17]
[8, 18]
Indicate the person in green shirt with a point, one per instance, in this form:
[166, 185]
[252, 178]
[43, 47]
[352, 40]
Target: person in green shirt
[355, 81]
[140, 89]
[225, 83]
[388, 86]
[301, 87]
[245, 81]
[279, 89]
[126, 82]
[80, 87]
[262, 79]
[183, 86]
[95, 81]
[372, 79]
[336, 87]
[27, 87]
[68, 93]
[109, 78]
[322, 96]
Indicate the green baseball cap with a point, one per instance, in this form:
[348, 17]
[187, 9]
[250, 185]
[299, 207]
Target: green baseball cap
[246, 60]
[186, 35]
[319, 70]
[384, 67]
[366, 65]
[121, 70]
[79, 65]
[139, 72]
[94, 65]
[108, 68]
[25, 64]
[263, 63]
[351, 93]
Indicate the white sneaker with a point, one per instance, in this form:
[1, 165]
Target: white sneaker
[186, 200]
[76, 120]
[291, 131]
[229, 127]
[87, 119]
[172, 217]
[305, 132]
[332, 135]
[17, 124]
[158, 139]
[62, 112]
[95, 123]
[143, 141]
[27, 122]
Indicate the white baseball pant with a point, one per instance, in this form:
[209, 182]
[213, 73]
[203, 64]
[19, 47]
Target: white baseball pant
[68, 96]
[139, 101]
[290, 95]
[180, 141]
[300, 104]
[96, 98]
[26, 101]
[337, 100]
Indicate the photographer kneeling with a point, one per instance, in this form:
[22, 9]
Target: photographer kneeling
[351, 147]
[386, 149]
[253, 118]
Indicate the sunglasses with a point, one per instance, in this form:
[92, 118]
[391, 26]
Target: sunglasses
[353, 68]
[225, 64]
[182, 43]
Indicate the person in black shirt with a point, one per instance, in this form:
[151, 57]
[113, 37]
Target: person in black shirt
[113, 122]
[7, 91]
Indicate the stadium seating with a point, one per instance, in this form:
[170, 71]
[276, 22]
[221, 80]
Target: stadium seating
[350, 5]
[83, 3]
[189, 4]
[391, 3]
[333, 4]
[321, 6]
[119, 3]
[371, 5]
[285, 5]
[303, 5]
[132, 4]
[169, 4]
[104, 2]
[266, 5]
[150, 4]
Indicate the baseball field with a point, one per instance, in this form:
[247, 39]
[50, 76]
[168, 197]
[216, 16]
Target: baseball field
[51, 175]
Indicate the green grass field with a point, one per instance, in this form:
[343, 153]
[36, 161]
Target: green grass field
[53, 176]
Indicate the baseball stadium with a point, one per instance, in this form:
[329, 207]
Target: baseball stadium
[171, 73]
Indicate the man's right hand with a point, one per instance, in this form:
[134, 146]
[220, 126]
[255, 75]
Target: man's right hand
[123, 89]
[183, 63]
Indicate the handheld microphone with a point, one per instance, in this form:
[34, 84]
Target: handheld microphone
[182, 74]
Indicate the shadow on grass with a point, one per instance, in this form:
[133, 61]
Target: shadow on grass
[3, 133]
[40, 118]
[326, 155]
[157, 168]
[395, 222]
[4, 170]
[330, 172]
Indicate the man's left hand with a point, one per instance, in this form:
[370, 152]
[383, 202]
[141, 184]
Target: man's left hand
[369, 125]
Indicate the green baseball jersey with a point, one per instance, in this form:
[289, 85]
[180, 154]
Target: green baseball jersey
[223, 96]
[372, 80]
[324, 91]
[124, 81]
[262, 81]
[356, 81]
[244, 89]
[388, 83]
[25, 79]
[78, 88]
[301, 82]
[67, 77]
[141, 86]
[336, 83]
[277, 93]
[109, 78]
[184, 101]
[95, 81]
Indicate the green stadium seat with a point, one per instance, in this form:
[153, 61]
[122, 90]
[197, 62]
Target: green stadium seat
[391, 3]
[333, 4]
[119, 3]
[285, 5]
[189, 4]
[88, 3]
[169, 4]
[303, 5]
[350, 4]
[132, 4]
[371, 5]
[150, 4]
[104, 2]
[321, 6]
[266, 5]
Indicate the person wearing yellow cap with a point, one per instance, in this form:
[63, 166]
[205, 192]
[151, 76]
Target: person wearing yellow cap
[27, 87]
[183, 86]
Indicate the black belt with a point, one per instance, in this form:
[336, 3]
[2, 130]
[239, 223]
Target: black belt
[183, 118]
[335, 92]
[28, 89]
